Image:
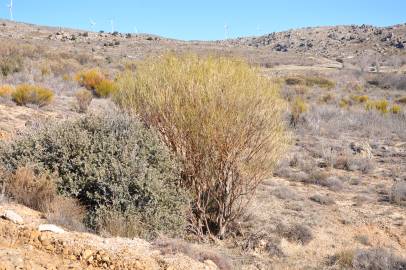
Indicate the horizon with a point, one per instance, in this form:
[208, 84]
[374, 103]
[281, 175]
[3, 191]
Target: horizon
[200, 21]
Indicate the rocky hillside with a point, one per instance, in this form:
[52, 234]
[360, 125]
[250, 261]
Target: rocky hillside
[332, 41]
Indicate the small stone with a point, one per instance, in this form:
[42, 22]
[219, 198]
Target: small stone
[87, 254]
[50, 228]
[12, 216]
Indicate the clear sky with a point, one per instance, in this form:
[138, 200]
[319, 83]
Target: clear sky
[205, 19]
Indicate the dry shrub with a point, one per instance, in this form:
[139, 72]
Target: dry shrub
[89, 78]
[398, 193]
[175, 246]
[377, 259]
[395, 109]
[222, 119]
[6, 91]
[34, 190]
[379, 105]
[360, 99]
[296, 233]
[343, 259]
[83, 99]
[32, 94]
[298, 107]
[96, 81]
[67, 212]
[401, 100]
[310, 82]
[105, 88]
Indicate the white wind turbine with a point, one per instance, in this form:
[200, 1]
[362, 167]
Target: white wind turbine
[112, 25]
[92, 24]
[10, 8]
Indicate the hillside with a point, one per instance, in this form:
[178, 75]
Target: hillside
[336, 199]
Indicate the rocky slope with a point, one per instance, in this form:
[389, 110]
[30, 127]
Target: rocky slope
[336, 41]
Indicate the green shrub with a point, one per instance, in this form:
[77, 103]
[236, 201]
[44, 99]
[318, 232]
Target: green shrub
[32, 94]
[110, 164]
[223, 120]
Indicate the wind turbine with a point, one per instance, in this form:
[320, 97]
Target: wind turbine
[136, 29]
[112, 25]
[226, 31]
[10, 8]
[93, 24]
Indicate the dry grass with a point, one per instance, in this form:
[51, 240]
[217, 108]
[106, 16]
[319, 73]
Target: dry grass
[32, 190]
[221, 118]
[174, 246]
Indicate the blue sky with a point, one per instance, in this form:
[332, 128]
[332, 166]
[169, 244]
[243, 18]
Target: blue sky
[205, 20]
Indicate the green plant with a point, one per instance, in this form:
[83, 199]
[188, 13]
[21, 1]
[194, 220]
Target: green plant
[222, 119]
[111, 164]
[83, 99]
[32, 94]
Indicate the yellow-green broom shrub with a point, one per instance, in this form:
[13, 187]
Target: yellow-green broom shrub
[222, 119]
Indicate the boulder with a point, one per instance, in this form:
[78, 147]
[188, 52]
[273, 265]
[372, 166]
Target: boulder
[12, 216]
[50, 228]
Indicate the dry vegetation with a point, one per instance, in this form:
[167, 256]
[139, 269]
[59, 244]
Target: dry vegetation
[272, 160]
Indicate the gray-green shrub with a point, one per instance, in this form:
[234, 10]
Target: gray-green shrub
[111, 164]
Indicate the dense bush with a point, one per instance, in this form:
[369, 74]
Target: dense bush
[222, 119]
[111, 165]
[32, 94]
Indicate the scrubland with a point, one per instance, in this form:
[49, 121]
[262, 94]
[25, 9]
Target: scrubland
[216, 153]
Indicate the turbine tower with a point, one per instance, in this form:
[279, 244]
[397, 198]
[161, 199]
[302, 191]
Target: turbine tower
[92, 24]
[112, 25]
[10, 8]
